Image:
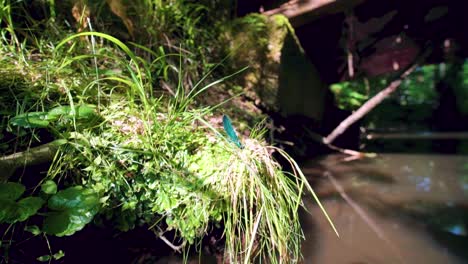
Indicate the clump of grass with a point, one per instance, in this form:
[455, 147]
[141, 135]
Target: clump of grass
[265, 203]
[260, 219]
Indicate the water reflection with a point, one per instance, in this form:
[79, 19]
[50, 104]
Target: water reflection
[410, 209]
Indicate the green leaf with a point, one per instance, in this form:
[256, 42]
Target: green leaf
[11, 190]
[59, 142]
[49, 187]
[73, 208]
[56, 223]
[73, 198]
[56, 112]
[86, 111]
[79, 219]
[66, 199]
[34, 229]
[81, 112]
[59, 255]
[7, 211]
[28, 207]
[31, 120]
[44, 258]
[12, 211]
[98, 160]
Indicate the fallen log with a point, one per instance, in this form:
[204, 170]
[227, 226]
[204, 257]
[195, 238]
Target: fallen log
[32, 156]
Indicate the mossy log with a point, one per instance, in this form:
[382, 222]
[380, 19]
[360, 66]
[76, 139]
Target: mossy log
[33, 156]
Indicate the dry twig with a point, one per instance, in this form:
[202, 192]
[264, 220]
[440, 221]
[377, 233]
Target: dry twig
[367, 107]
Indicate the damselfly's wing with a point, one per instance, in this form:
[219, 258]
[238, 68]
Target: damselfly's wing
[230, 131]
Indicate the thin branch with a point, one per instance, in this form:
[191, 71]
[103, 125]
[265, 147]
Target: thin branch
[174, 247]
[417, 135]
[350, 152]
[160, 234]
[367, 107]
[318, 138]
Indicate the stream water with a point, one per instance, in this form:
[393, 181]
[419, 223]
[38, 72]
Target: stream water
[395, 208]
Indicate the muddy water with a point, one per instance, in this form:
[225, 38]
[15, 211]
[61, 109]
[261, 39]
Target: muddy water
[396, 208]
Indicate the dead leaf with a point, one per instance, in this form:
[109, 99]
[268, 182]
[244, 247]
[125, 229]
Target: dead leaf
[80, 12]
[119, 9]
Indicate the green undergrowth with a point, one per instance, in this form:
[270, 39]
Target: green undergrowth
[136, 143]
